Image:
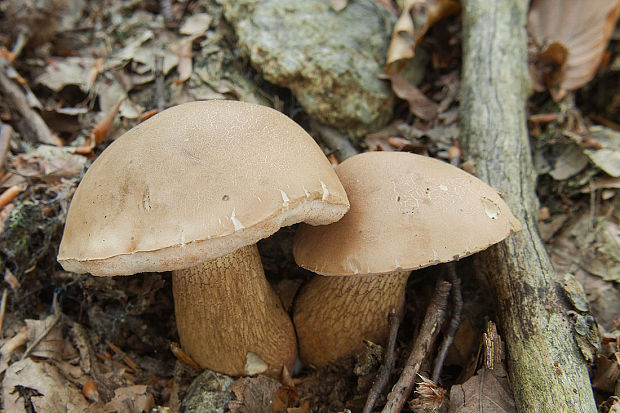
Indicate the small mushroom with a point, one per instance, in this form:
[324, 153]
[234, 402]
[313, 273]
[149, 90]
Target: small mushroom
[407, 212]
[191, 190]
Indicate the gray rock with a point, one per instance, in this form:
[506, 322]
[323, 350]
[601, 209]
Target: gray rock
[208, 393]
[330, 60]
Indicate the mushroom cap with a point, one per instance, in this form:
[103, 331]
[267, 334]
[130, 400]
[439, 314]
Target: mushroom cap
[407, 211]
[193, 183]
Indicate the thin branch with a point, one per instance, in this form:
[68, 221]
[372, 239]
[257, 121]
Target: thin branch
[457, 308]
[383, 375]
[435, 315]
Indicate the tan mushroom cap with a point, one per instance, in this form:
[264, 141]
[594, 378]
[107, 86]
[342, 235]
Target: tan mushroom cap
[193, 183]
[407, 212]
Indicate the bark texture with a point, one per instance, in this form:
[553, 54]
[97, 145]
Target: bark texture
[230, 320]
[334, 315]
[547, 371]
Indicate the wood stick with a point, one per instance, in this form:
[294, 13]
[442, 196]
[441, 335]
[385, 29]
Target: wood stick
[455, 321]
[5, 139]
[383, 376]
[431, 325]
[494, 89]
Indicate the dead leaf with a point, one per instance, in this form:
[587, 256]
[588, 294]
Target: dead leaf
[131, 399]
[607, 155]
[184, 52]
[415, 19]
[49, 163]
[196, 24]
[581, 29]
[607, 374]
[98, 134]
[56, 394]
[419, 104]
[569, 162]
[487, 391]
[48, 334]
[254, 395]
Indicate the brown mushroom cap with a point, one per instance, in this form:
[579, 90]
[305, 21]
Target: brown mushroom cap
[407, 212]
[170, 193]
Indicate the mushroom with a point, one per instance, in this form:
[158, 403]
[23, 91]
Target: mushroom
[407, 212]
[191, 190]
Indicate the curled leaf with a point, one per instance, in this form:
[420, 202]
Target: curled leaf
[569, 41]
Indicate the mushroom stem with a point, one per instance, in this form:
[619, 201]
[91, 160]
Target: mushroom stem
[334, 315]
[229, 319]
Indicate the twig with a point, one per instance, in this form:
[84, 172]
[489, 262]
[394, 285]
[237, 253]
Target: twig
[5, 139]
[54, 319]
[435, 315]
[335, 141]
[457, 307]
[383, 375]
[159, 81]
[18, 100]
[9, 194]
[3, 310]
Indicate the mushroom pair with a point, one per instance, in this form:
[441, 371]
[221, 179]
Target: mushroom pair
[407, 212]
[191, 191]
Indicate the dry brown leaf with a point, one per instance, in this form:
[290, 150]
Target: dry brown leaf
[607, 374]
[98, 134]
[570, 40]
[51, 393]
[49, 335]
[184, 52]
[487, 391]
[131, 399]
[254, 395]
[419, 104]
[49, 163]
[415, 19]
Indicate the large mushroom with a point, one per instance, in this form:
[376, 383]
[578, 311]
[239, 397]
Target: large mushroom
[191, 191]
[407, 212]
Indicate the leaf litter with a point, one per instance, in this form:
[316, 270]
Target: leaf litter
[107, 349]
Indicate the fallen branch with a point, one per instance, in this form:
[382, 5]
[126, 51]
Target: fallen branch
[383, 376]
[531, 310]
[457, 307]
[435, 315]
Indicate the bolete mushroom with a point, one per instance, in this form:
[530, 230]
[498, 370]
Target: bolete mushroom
[407, 212]
[191, 191]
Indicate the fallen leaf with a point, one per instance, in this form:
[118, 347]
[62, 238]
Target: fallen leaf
[101, 130]
[55, 393]
[569, 162]
[131, 399]
[416, 17]
[570, 38]
[607, 155]
[254, 395]
[487, 391]
[419, 104]
[184, 52]
[196, 24]
[46, 335]
[49, 163]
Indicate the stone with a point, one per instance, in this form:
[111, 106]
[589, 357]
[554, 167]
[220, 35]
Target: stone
[330, 60]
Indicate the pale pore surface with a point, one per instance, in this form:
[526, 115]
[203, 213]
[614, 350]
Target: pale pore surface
[227, 314]
[195, 182]
[333, 315]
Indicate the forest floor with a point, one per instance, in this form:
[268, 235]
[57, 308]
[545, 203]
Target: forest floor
[110, 343]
